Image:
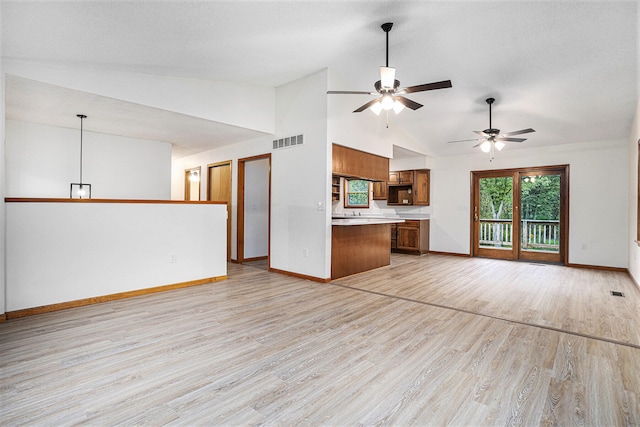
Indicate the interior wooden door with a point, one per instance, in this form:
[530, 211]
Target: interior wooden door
[219, 189]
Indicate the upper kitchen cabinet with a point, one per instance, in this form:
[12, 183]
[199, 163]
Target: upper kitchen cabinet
[408, 188]
[401, 177]
[352, 163]
[379, 190]
[421, 187]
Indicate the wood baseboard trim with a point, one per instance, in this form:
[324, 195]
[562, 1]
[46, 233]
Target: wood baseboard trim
[300, 276]
[449, 253]
[598, 267]
[257, 258]
[3, 317]
[105, 298]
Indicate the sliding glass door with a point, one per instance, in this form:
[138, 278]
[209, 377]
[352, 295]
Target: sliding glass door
[520, 214]
[493, 216]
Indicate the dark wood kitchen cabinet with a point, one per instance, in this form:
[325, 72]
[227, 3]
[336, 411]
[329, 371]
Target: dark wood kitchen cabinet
[379, 190]
[335, 188]
[408, 188]
[401, 177]
[411, 236]
[421, 187]
[352, 163]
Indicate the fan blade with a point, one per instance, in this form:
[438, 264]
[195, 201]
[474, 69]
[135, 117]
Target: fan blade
[511, 139]
[429, 86]
[461, 140]
[517, 132]
[387, 77]
[365, 106]
[408, 103]
[348, 92]
[479, 132]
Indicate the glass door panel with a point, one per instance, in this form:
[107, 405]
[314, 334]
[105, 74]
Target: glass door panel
[493, 217]
[540, 216]
[496, 212]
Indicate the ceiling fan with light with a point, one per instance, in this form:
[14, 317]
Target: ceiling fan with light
[388, 88]
[492, 139]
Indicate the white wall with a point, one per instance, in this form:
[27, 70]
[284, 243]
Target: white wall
[300, 233]
[228, 153]
[2, 178]
[634, 248]
[42, 161]
[598, 197]
[300, 179]
[60, 252]
[363, 131]
[256, 208]
[241, 105]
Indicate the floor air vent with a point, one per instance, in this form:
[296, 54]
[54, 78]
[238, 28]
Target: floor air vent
[617, 294]
[290, 141]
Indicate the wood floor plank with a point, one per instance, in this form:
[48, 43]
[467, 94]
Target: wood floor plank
[430, 340]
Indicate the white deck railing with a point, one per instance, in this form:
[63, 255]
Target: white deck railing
[536, 234]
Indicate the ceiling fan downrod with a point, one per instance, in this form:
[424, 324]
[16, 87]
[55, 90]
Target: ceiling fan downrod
[386, 27]
[491, 131]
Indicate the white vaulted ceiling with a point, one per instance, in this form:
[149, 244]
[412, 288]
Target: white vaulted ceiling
[567, 69]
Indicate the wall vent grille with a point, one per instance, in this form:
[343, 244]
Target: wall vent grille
[617, 294]
[290, 141]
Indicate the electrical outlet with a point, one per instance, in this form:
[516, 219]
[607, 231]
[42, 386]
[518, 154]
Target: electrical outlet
[584, 247]
[305, 252]
[173, 258]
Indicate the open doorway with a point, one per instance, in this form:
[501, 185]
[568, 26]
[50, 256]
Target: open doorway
[521, 214]
[254, 210]
[192, 184]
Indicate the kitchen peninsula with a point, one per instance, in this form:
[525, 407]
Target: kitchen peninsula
[360, 244]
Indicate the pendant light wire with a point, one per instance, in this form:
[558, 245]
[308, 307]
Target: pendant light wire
[82, 117]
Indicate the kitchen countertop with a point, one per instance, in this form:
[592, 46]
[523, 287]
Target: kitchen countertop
[359, 220]
[407, 216]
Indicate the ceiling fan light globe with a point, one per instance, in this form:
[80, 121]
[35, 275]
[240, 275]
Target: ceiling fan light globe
[387, 102]
[376, 108]
[499, 145]
[485, 147]
[397, 107]
[387, 77]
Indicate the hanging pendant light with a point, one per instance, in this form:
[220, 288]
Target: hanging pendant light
[80, 190]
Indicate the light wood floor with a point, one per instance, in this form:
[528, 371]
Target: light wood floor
[402, 345]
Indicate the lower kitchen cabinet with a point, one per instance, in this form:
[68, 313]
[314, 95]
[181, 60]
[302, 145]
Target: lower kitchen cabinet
[411, 236]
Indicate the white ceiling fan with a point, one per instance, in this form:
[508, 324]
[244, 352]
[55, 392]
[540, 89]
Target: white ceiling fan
[388, 88]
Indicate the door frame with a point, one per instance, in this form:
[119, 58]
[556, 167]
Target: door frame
[229, 216]
[188, 183]
[241, 202]
[516, 253]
